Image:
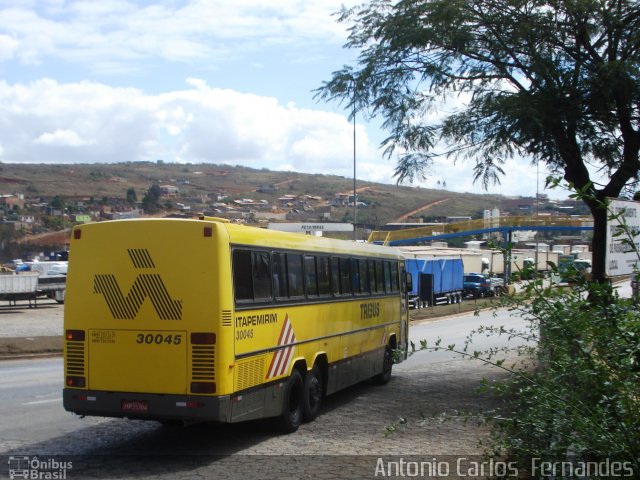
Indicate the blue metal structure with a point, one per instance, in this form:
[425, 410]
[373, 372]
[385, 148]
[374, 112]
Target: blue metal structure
[505, 230]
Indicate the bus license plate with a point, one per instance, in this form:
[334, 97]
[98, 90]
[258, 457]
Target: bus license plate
[135, 405]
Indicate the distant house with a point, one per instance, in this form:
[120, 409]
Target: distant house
[135, 213]
[287, 200]
[169, 191]
[249, 202]
[12, 201]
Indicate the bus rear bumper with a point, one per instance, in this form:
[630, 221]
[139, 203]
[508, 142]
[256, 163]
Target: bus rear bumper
[147, 406]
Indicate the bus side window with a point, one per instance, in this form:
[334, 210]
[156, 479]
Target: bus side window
[363, 276]
[379, 276]
[296, 278]
[388, 266]
[345, 276]
[261, 276]
[280, 276]
[324, 276]
[310, 275]
[335, 275]
[242, 276]
[395, 285]
[357, 276]
[372, 276]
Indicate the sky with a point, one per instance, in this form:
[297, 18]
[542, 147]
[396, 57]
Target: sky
[194, 81]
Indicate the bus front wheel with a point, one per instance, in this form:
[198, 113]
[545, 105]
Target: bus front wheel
[313, 393]
[292, 404]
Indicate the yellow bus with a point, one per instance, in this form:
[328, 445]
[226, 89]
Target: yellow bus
[183, 320]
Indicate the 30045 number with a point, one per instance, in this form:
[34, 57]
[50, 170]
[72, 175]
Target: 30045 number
[158, 339]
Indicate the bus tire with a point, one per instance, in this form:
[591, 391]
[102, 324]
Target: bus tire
[292, 404]
[313, 393]
[387, 364]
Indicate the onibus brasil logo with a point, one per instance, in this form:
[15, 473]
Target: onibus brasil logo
[38, 468]
[146, 285]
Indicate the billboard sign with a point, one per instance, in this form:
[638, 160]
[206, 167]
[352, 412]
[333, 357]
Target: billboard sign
[621, 257]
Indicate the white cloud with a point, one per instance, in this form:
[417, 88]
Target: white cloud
[51, 122]
[251, 45]
[112, 35]
[8, 46]
[61, 138]
[47, 121]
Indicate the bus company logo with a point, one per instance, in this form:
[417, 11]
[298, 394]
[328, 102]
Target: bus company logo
[37, 468]
[146, 285]
[282, 358]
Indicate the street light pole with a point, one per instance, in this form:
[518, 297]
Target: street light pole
[355, 203]
[537, 213]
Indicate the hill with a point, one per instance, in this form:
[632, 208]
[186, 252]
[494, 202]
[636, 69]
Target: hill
[108, 182]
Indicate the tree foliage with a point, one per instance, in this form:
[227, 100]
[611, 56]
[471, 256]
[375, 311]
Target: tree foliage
[576, 399]
[151, 199]
[132, 197]
[556, 81]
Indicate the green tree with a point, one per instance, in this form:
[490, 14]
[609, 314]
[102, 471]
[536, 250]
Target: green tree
[556, 81]
[132, 198]
[151, 199]
[58, 203]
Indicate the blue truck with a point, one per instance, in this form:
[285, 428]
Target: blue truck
[435, 280]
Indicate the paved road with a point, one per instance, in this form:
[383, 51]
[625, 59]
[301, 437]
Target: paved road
[346, 441]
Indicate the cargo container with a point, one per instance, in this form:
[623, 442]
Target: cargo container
[435, 280]
[18, 286]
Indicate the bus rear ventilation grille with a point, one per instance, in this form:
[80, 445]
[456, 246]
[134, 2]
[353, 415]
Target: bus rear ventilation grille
[75, 358]
[203, 362]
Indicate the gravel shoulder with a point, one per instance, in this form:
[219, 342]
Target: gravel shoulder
[27, 332]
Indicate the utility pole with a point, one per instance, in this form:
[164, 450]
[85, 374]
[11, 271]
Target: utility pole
[355, 203]
[535, 270]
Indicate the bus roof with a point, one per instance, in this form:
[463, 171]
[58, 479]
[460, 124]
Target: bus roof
[239, 234]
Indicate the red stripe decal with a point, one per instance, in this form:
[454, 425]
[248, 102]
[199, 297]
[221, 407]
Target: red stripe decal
[281, 359]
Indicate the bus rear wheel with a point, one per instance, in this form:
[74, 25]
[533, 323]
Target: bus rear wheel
[292, 404]
[313, 393]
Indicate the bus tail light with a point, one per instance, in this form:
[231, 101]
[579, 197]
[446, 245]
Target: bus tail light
[75, 381]
[203, 338]
[75, 335]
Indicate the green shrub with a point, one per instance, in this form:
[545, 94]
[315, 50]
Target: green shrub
[576, 397]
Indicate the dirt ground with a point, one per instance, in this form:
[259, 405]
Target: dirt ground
[13, 347]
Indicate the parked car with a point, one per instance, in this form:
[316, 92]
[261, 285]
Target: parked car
[477, 285]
